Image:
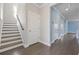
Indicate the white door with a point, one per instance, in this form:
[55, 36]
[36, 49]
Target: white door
[33, 27]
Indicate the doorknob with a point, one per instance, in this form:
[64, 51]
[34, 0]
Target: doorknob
[30, 30]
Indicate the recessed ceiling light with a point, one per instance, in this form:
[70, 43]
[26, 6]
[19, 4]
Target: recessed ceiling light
[67, 9]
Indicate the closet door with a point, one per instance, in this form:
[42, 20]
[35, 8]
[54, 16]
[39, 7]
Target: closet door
[33, 27]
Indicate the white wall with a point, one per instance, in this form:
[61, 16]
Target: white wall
[1, 8]
[8, 13]
[1, 18]
[22, 14]
[45, 24]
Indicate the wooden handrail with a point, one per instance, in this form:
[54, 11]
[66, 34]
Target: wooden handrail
[20, 22]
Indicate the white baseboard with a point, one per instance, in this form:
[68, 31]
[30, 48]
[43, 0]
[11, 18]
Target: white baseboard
[47, 44]
[53, 41]
[25, 46]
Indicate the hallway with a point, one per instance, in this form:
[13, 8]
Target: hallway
[66, 46]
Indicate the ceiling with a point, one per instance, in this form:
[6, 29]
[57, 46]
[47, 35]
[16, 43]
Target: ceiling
[69, 10]
[39, 5]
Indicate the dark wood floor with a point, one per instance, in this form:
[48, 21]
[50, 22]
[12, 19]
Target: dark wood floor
[60, 47]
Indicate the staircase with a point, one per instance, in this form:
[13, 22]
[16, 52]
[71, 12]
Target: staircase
[10, 38]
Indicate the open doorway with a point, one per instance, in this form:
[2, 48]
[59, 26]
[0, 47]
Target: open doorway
[64, 20]
[58, 24]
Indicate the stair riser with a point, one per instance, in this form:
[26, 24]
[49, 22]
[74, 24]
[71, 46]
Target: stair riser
[9, 31]
[9, 48]
[3, 44]
[10, 35]
[9, 22]
[10, 28]
[10, 38]
[9, 45]
[9, 25]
